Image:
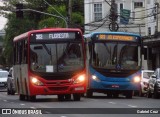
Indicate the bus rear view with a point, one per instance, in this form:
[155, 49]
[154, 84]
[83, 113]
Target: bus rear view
[114, 63]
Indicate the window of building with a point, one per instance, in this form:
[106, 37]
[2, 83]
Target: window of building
[149, 30]
[121, 6]
[138, 4]
[97, 12]
[148, 1]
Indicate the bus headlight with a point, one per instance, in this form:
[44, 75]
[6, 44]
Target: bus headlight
[80, 79]
[35, 81]
[137, 79]
[94, 77]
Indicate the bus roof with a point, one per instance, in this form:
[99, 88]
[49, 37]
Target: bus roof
[122, 33]
[26, 34]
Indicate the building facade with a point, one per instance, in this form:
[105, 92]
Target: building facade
[97, 15]
[152, 39]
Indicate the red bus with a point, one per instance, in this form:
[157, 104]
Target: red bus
[50, 61]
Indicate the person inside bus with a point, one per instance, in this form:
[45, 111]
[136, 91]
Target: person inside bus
[74, 51]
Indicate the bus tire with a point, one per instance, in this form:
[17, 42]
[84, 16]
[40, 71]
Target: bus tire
[129, 94]
[89, 93]
[67, 97]
[32, 98]
[109, 95]
[21, 97]
[76, 97]
[60, 97]
[115, 95]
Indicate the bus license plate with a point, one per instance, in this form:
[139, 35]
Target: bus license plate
[115, 86]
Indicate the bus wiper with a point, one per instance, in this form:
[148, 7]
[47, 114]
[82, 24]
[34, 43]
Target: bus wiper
[48, 51]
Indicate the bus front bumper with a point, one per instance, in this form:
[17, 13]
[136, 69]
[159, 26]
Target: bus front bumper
[114, 85]
[54, 90]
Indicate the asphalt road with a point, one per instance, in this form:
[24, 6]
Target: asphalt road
[90, 106]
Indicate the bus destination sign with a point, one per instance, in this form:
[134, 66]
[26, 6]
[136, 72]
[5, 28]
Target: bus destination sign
[53, 36]
[116, 37]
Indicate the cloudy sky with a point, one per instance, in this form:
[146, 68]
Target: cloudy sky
[2, 20]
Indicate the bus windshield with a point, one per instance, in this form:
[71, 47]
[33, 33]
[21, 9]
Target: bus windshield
[56, 57]
[115, 55]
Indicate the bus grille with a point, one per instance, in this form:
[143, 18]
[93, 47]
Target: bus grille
[58, 88]
[117, 74]
[59, 82]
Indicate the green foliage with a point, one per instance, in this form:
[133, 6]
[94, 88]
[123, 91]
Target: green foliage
[13, 28]
[54, 21]
[77, 19]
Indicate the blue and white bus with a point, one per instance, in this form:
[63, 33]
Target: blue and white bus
[114, 63]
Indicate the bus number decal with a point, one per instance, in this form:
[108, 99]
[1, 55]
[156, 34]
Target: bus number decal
[39, 36]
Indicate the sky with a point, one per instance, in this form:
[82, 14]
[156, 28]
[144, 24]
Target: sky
[3, 20]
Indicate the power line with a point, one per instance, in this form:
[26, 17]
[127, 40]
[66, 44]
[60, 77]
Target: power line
[107, 2]
[97, 27]
[53, 8]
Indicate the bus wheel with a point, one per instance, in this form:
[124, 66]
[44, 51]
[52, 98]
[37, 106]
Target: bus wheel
[76, 97]
[60, 97]
[129, 94]
[21, 97]
[32, 98]
[89, 93]
[109, 95]
[68, 96]
[115, 95]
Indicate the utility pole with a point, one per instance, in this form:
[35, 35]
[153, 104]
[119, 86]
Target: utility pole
[69, 12]
[156, 14]
[113, 26]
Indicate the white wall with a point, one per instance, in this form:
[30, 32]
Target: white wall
[127, 4]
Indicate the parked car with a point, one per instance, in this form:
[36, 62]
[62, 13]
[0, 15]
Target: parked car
[154, 85]
[3, 79]
[144, 81]
[10, 83]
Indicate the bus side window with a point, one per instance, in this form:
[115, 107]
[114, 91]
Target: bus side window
[24, 51]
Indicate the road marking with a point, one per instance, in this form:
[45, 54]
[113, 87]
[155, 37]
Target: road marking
[133, 106]
[22, 104]
[112, 102]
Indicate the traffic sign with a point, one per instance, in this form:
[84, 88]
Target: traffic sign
[124, 16]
